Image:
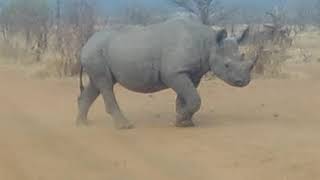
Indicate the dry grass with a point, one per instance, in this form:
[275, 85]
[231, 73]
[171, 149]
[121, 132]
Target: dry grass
[270, 62]
[275, 56]
[305, 48]
[54, 64]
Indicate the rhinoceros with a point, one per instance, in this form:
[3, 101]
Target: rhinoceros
[174, 54]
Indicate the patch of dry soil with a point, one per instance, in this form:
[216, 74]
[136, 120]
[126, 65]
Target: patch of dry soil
[268, 130]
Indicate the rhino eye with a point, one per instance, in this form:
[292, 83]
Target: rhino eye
[242, 56]
[226, 65]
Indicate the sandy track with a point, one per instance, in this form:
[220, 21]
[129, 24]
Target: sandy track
[269, 130]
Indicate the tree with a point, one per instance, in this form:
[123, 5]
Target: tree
[31, 18]
[75, 22]
[280, 32]
[137, 14]
[209, 11]
[4, 22]
[317, 12]
[81, 16]
[58, 23]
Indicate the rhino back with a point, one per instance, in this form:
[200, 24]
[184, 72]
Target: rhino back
[139, 57]
[137, 49]
[134, 58]
[96, 43]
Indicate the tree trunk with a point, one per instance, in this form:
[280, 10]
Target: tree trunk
[58, 24]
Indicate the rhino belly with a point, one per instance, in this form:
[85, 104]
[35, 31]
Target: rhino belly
[143, 79]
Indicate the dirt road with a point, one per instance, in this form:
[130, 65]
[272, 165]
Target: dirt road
[269, 130]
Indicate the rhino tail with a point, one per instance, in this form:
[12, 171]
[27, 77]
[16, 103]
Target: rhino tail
[81, 79]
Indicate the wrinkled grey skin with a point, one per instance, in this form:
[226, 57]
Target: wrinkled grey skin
[174, 54]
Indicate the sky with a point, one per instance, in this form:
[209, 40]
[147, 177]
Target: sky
[113, 5]
[161, 2]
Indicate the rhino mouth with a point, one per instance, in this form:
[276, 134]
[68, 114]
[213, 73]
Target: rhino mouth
[240, 83]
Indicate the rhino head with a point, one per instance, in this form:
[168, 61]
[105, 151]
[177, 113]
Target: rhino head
[226, 61]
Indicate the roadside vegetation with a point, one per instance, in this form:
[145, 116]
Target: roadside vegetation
[48, 34]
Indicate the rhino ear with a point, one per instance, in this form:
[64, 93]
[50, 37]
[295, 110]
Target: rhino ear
[221, 35]
[243, 36]
[269, 26]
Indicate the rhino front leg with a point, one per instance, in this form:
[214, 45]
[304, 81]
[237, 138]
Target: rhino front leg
[188, 100]
[180, 102]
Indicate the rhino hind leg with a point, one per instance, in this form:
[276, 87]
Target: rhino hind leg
[113, 109]
[104, 81]
[85, 100]
[188, 101]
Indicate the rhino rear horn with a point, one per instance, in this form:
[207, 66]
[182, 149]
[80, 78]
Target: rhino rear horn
[221, 35]
[244, 35]
[269, 26]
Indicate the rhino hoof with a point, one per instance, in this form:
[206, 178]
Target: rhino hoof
[184, 123]
[123, 126]
[82, 123]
